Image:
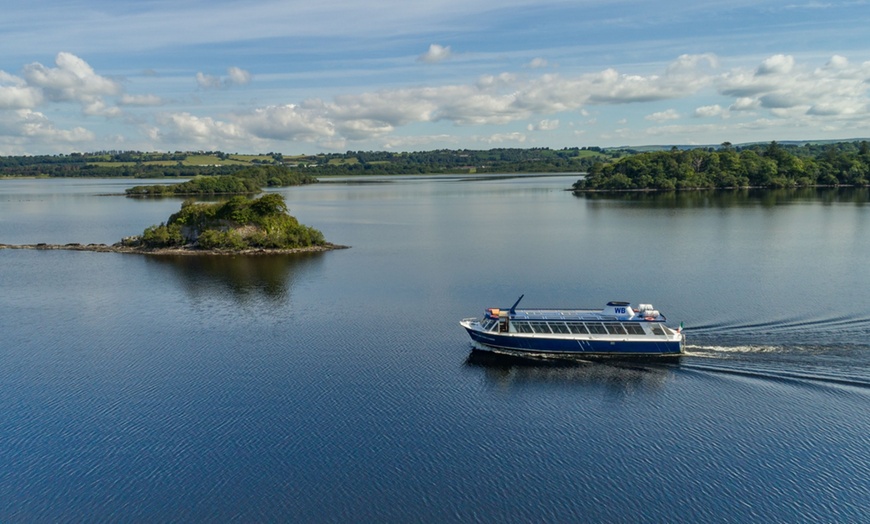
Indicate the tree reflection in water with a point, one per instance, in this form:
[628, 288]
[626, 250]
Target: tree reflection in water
[241, 277]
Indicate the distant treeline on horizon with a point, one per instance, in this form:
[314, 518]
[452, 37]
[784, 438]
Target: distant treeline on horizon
[598, 161]
[137, 164]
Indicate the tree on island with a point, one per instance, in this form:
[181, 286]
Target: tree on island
[245, 182]
[238, 224]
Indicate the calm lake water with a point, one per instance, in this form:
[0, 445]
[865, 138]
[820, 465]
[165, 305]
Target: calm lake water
[339, 386]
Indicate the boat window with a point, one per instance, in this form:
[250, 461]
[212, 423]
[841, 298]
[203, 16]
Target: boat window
[657, 330]
[540, 327]
[488, 324]
[577, 327]
[615, 329]
[596, 329]
[634, 329]
[558, 327]
[522, 327]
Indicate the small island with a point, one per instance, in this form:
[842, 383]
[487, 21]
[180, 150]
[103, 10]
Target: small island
[240, 225]
[771, 166]
[245, 182]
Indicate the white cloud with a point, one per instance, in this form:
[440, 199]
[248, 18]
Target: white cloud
[238, 76]
[73, 79]
[544, 125]
[710, 111]
[789, 90]
[744, 103]
[35, 127]
[204, 130]
[682, 77]
[235, 76]
[837, 62]
[838, 108]
[776, 65]
[663, 116]
[464, 106]
[140, 100]
[97, 107]
[394, 107]
[305, 123]
[435, 53]
[362, 129]
[537, 63]
[16, 94]
[493, 81]
[688, 65]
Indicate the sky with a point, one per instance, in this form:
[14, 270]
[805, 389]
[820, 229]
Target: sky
[308, 77]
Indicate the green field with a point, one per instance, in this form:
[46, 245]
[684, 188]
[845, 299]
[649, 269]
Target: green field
[249, 159]
[344, 161]
[210, 160]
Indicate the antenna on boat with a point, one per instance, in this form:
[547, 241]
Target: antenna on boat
[514, 307]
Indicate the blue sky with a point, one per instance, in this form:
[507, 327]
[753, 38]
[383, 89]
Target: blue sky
[336, 75]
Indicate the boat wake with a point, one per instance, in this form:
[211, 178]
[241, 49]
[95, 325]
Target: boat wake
[734, 347]
[827, 377]
[806, 324]
[714, 351]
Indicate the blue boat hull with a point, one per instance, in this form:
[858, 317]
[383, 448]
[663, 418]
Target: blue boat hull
[568, 346]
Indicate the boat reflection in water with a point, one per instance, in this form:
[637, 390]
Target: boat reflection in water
[617, 375]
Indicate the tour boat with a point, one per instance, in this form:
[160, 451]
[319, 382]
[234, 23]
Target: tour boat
[616, 330]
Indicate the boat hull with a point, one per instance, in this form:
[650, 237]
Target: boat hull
[566, 346]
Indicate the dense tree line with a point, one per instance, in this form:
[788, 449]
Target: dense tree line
[770, 166]
[237, 224]
[84, 169]
[135, 164]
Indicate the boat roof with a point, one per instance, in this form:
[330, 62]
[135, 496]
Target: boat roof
[561, 314]
[613, 311]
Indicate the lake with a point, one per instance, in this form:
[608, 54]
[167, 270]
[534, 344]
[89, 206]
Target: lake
[339, 386]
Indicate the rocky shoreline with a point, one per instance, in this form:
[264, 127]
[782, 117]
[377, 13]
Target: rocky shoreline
[183, 250]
